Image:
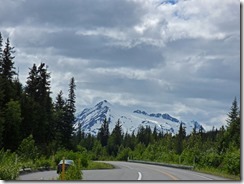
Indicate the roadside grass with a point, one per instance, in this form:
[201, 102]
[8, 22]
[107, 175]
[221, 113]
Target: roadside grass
[217, 172]
[92, 165]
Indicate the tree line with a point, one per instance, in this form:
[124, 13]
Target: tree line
[28, 109]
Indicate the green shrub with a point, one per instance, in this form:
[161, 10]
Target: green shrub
[84, 161]
[123, 154]
[27, 149]
[232, 161]
[9, 169]
[72, 173]
[210, 158]
[70, 155]
[44, 163]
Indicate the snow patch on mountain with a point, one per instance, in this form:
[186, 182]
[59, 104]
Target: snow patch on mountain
[90, 120]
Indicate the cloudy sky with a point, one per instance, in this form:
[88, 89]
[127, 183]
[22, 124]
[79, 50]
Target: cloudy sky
[180, 57]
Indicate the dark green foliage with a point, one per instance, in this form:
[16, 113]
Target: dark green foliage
[103, 133]
[11, 134]
[7, 64]
[115, 140]
[180, 137]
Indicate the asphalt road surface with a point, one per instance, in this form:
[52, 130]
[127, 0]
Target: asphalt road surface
[128, 171]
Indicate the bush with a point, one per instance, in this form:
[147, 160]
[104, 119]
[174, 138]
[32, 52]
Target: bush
[210, 158]
[123, 154]
[27, 149]
[9, 169]
[70, 155]
[44, 163]
[232, 161]
[72, 173]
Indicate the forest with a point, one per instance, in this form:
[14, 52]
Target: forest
[36, 130]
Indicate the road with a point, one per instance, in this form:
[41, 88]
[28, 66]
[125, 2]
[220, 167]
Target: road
[128, 171]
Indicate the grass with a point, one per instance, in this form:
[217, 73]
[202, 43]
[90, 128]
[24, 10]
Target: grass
[98, 165]
[217, 172]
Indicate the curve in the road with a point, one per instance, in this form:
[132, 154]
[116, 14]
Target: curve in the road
[128, 171]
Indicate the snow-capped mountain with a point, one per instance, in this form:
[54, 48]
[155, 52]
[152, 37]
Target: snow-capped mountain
[91, 119]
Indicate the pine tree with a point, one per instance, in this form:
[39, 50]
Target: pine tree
[103, 133]
[234, 113]
[6, 73]
[233, 127]
[71, 98]
[7, 68]
[32, 83]
[115, 140]
[180, 137]
[37, 93]
[59, 121]
[70, 113]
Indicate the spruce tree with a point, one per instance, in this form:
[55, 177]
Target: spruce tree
[115, 140]
[234, 112]
[1, 54]
[7, 68]
[7, 71]
[59, 121]
[233, 125]
[103, 133]
[70, 113]
[32, 83]
[71, 100]
[37, 93]
[180, 137]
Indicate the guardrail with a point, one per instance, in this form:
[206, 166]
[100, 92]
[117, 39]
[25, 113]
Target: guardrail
[163, 164]
[29, 170]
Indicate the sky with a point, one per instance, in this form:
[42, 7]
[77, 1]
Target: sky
[180, 57]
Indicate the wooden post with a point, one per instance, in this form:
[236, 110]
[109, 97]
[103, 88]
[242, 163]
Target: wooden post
[63, 170]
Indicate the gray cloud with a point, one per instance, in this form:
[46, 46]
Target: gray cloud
[182, 58]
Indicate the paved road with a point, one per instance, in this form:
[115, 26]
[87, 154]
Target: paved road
[137, 171]
[42, 175]
[128, 171]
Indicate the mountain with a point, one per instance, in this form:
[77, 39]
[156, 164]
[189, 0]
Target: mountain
[91, 119]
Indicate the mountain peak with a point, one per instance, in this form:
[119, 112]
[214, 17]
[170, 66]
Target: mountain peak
[91, 119]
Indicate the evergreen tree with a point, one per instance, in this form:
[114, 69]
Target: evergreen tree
[32, 83]
[71, 100]
[37, 93]
[180, 137]
[11, 136]
[155, 134]
[233, 127]
[7, 68]
[115, 140]
[70, 113]
[59, 120]
[103, 133]
[234, 112]
[6, 73]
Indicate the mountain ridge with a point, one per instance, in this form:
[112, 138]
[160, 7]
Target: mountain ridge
[90, 120]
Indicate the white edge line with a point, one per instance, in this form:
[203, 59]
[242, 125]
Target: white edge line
[139, 177]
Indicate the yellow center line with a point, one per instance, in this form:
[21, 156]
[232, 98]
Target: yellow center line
[165, 173]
